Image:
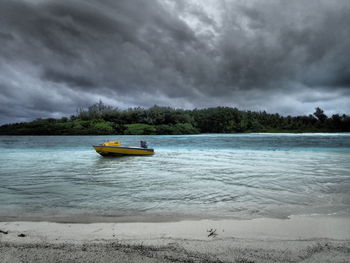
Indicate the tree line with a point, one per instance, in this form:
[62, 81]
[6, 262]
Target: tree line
[101, 119]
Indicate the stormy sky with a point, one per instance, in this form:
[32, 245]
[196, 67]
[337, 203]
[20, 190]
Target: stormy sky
[279, 56]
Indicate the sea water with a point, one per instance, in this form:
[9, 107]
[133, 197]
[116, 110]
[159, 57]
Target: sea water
[206, 176]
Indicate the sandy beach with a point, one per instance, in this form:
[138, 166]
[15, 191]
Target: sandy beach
[297, 239]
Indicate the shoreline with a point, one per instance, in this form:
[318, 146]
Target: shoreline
[294, 227]
[157, 218]
[310, 238]
[193, 134]
[142, 218]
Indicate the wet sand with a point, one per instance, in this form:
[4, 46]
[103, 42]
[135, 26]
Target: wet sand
[298, 239]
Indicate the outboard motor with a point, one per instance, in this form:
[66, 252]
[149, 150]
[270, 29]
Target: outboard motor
[143, 144]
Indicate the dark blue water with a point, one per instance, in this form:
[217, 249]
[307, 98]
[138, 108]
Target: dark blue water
[245, 175]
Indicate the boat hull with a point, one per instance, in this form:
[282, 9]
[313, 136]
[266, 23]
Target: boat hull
[122, 151]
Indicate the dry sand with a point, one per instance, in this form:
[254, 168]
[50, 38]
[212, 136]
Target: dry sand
[298, 239]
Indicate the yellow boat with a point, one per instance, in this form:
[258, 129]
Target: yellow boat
[114, 148]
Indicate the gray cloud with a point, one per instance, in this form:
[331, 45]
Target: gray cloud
[71, 80]
[269, 55]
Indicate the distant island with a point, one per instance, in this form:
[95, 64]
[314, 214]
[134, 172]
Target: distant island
[101, 119]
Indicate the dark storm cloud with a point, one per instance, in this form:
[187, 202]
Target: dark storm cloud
[71, 80]
[296, 41]
[280, 56]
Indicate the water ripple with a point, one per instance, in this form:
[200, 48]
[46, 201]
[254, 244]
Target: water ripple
[212, 175]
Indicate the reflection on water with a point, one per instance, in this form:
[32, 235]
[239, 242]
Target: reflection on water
[249, 175]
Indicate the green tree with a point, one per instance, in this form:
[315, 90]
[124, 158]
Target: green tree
[320, 114]
[139, 128]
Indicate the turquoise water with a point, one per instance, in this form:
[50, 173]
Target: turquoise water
[230, 175]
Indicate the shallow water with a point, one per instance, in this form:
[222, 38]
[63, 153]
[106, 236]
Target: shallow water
[230, 175]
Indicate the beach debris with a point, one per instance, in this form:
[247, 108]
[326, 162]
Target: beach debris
[4, 232]
[21, 235]
[212, 232]
[244, 260]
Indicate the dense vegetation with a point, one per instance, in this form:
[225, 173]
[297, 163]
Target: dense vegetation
[101, 119]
